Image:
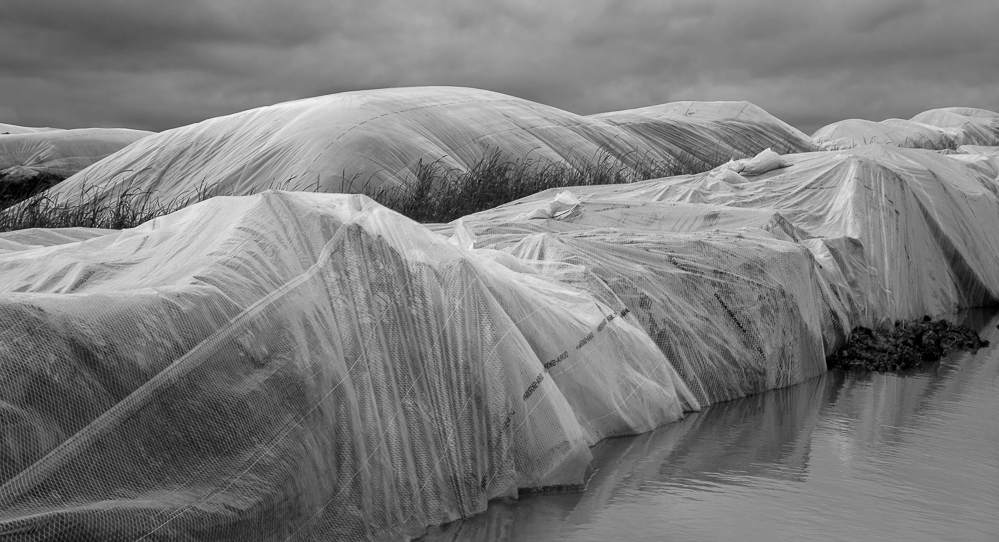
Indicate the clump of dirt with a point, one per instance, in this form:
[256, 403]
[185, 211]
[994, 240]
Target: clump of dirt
[905, 346]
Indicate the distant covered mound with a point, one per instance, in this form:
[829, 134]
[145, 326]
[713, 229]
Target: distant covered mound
[711, 131]
[33, 158]
[63, 152]
[368, 140]
[974, 126]
[850, 133]
[937, 129]
[9, 129]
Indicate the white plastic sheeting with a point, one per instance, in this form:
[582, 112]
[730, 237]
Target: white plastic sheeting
[974, 126]
[744, 284]
[357, 142]
[62, 152]
[851, 133]
[936, 129]
[16, 241]
[712, 132]
[8, 129]
[348, 375]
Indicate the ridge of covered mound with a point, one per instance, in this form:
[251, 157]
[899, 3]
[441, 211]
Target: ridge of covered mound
[9, 129]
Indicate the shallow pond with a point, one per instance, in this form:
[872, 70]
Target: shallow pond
[840, 457]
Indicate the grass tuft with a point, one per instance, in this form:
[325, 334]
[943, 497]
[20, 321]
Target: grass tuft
[441, 194]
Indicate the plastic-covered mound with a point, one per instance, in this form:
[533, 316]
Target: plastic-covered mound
[63, 152]
[851, 133]
[738, 310]
[10, 129]
[301, 366]
[974, 126]
[744, 286]
[32, 159]
[712, 132]
[984, 150]
[982, 158]
[355, 142]
[359, 142]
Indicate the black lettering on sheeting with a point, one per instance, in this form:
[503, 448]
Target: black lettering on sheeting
[556, 361]
[534, 385]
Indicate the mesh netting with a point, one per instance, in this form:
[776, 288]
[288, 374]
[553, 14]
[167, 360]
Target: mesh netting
[352, 376]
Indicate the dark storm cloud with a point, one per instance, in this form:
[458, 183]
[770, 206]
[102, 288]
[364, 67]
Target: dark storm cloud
[155, 65]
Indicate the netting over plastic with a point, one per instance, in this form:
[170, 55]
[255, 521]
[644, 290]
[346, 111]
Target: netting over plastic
[349, 375]
[744, 284]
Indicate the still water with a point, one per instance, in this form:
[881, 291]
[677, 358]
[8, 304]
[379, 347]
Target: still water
[840, 457]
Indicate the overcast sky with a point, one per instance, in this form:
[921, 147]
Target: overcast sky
[157, 64]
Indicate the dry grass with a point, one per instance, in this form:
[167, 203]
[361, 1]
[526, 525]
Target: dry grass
[438, 193]
[442, 194]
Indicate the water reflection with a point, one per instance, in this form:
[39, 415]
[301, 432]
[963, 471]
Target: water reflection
[842, 456]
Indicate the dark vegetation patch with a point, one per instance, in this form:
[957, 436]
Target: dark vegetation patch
[442, 194]
[124, 210]
[904, 346]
